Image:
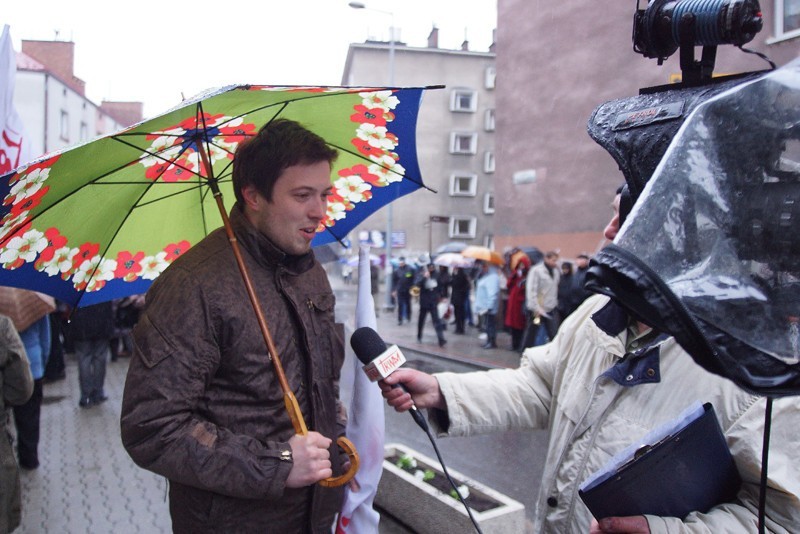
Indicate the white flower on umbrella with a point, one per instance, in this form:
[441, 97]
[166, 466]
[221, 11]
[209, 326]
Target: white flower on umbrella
[28, 185]
[12, 223]
[377, 136]
[152, 266]
[380, 99]
[336, 211]
[21, 249]
[166, 149]
[61, 263]
[93, 273]
[387, 168]
[353, 188]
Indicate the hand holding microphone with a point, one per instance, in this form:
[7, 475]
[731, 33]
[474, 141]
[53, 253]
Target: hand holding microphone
[382, 362]
[402, 387]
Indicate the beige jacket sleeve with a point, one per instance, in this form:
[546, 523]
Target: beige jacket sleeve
[16, 382]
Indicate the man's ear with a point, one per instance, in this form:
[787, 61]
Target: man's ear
[252, 198]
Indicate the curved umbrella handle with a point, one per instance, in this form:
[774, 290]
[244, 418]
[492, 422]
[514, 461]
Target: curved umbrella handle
[348, 447]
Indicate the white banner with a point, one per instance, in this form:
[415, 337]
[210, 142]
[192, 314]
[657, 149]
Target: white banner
[365, 425]
[14, 147]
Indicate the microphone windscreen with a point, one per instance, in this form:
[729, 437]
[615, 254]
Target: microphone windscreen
[367, 344]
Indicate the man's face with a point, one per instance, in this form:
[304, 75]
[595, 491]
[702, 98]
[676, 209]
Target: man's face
[582, 262]
[613, 225]
[299, 203]
[551, 261]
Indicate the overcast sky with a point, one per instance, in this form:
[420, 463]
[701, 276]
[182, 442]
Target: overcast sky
[154, 51]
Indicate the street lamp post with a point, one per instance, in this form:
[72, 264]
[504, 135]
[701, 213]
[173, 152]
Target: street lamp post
[388, 267]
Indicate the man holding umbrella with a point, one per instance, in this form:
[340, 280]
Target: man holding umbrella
[202, 404]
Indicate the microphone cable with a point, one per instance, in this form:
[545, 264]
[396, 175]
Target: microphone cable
[423, 424]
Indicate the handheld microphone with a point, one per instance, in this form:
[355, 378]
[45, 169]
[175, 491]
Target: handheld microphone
[380, 361]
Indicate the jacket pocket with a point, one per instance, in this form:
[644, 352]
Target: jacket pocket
[150, 344]
[327, 343]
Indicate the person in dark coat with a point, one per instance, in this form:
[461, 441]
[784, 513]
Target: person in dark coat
[203, 405]
[91, 329]
[459, 294]
[402, 280]
[430, 293]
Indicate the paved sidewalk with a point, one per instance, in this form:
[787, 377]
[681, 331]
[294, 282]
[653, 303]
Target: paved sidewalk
[86, 481]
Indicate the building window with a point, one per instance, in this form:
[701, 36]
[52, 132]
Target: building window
[488, 120]
[787, 19]
[463, 100]
[463, 184]
[463, 143]
[463, 227]
[64, 125]
[490, 76]
[84, 131]
[488, 162]
[488, 203]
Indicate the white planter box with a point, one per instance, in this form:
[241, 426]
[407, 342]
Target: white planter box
[425, 509]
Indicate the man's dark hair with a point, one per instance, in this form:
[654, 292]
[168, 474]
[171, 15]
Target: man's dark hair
[280, 144]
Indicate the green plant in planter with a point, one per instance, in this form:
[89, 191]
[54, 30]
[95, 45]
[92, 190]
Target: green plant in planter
[462, 489]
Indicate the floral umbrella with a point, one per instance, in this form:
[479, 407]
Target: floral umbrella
[103, 219]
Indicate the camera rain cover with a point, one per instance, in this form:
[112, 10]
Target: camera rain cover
[711, 250]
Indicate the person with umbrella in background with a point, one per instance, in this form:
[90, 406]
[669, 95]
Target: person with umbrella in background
[515, 320]
[16, 387]
[202, 405]
[487, 302]
[541, 298]
[29, 311]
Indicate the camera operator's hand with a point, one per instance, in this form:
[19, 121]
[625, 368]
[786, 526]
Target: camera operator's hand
[636, 524]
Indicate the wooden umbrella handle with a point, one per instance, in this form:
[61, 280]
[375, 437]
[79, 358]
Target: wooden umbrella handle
[350, 449]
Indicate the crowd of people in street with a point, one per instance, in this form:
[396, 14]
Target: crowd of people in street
[529, 300]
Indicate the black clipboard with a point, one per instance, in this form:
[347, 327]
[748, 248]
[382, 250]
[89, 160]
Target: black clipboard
[690, 470]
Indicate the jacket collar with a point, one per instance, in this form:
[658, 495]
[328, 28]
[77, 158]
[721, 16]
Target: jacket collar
[263, 250]
[640, 366]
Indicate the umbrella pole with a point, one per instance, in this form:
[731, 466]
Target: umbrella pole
[289, 399]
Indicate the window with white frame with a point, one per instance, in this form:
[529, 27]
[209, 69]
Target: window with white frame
[84, 133]
[488, 162]
[463, 184]
[464, 100]
[463, 142]
[463, 227]
[488, 203]
[64, 125]
[787, 19]
[490, 76]
[488, 120]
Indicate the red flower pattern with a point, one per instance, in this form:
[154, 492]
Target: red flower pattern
[54, 242]
[374, 116]
[174, 250]
[128, 265]
[362, 171]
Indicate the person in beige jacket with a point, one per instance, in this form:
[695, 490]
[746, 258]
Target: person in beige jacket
[602, 383]
[16, 387]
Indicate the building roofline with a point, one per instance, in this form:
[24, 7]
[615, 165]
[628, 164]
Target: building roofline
[401, 47]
